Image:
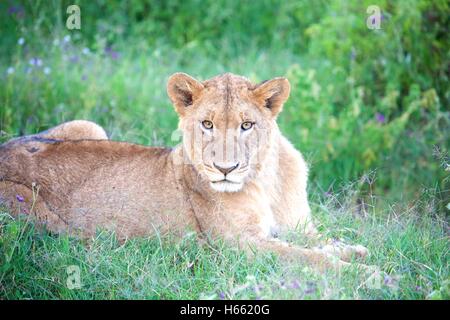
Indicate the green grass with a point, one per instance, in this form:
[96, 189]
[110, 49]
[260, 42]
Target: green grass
[410, 246]
[368, 109]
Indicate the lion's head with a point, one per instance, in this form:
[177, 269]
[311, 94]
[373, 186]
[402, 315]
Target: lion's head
[227, 124]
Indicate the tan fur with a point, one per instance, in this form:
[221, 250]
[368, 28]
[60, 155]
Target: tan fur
[74, 180]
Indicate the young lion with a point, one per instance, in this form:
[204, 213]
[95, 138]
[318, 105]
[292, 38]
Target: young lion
[234, 176]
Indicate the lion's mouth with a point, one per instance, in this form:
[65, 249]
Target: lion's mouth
[225, 180]
[226, 185]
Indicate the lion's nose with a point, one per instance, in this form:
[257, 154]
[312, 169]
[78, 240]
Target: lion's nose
[226, 170]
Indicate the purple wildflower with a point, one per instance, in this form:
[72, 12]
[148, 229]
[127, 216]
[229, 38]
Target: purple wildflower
[19, 198]
[310, 287]
[353, 54]
[258, 288]
[388, 280]
[380, 117]
[74, 59]
[221, 295]
[335, 242]
[12, 10]
[310, 290]
[35, 62]
[16, 10]
[295, 284]
[112, 53]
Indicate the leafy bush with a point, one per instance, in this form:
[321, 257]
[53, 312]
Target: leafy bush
[362, 100]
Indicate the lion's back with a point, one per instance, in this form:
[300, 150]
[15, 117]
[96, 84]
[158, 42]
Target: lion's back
[97, 184]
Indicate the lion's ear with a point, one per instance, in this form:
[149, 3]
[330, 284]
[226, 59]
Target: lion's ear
[183, 90]
[272, 94]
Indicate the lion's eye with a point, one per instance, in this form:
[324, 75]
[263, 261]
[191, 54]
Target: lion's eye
[207, 124]
[246, 125]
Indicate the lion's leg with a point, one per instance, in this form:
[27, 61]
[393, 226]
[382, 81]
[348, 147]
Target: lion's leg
[345, 251]
[313, 257]
[245, 226]
[75, 130]
[330, 246]
[316, 258]
[20, 199]
[292, 211]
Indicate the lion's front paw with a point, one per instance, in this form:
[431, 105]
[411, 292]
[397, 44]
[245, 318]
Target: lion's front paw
[346, 252]
[357, 252]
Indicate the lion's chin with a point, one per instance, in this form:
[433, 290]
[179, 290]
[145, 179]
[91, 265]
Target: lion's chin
[226, 186]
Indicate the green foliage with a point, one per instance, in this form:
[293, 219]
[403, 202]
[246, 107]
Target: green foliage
[362, 100]
[409, 245]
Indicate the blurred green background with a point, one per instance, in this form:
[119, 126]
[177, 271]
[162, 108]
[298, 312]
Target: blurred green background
[366, 105]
